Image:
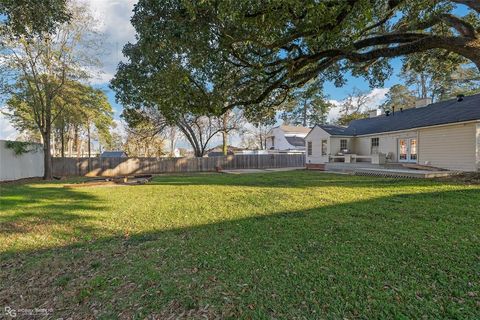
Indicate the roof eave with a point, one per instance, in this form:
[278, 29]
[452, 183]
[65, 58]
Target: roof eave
[418, 128]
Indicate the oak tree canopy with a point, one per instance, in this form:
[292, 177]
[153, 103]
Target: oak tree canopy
[251, 54]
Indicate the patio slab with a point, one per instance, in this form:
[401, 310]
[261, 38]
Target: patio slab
[243, 171]
[402, 173]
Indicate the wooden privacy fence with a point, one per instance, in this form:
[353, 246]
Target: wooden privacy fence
[110, 167]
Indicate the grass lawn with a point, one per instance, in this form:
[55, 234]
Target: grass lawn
[288, 245]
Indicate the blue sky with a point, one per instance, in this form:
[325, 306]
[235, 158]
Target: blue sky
[360, 83]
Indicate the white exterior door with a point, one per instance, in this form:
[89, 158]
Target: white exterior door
[407, 150]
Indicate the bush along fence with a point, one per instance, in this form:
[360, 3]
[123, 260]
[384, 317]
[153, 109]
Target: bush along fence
[111, 167]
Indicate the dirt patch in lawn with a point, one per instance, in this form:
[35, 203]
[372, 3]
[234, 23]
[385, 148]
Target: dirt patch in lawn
[466, 178]
[22, 181]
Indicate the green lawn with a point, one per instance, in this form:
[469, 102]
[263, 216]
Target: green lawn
[288, 245]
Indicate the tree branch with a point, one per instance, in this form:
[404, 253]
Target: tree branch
[473, 4]
[463, 27]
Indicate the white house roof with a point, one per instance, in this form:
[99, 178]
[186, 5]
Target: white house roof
[294, 129]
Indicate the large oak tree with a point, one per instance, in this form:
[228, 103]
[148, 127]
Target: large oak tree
[260, 50]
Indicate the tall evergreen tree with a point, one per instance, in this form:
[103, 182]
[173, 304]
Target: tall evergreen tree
[306, 106]
[440, 75]
[399, 97]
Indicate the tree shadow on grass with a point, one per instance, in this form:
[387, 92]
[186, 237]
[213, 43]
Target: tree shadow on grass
[44, 207]
[403, 256]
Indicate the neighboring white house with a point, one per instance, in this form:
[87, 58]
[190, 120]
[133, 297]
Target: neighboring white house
[286, 138]
[444, 134]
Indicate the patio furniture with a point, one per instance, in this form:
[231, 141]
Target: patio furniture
[378, 158]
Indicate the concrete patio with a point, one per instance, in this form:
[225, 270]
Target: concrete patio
[243, 171]
[395, 170]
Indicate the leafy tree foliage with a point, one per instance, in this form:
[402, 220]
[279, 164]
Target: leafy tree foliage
[399, 97]
[36, 71]
[230, 122]
[253, 53]
[440, 75]
[139, 145]
[21, 147]
[345, 119]
[255, 138]
[355, 106]
[96, 111]
[307, 106]
[32, 17]
[116, 143]
[86, 111]
[78, 108]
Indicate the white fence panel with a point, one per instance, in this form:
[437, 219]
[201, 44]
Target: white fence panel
[26, 165]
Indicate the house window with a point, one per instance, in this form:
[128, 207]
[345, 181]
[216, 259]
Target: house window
[324, 147]
[309, 148]
[343, 144]
[375, 144]
[273, 142]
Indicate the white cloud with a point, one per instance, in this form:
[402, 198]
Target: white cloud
[375, 98]
[101, 78]
[113, 17]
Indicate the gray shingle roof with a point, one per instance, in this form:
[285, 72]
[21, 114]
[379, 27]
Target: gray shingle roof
[219, 153]
[113, 154]
[334, 130]
[443, 112]
[296, 141]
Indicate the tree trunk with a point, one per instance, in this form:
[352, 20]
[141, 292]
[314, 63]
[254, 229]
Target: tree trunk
[224, 146]
[53, 144]
[470, 48]
[89, 141]
[62, 141]
[172, 142]
[225, 133]
[77, 142]
[172, 148]
[263, 142]
[69, 142]
[47, 156]
[186, 129]
[423, 85]
[196, 152]
[89, 149]
[304, 115]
